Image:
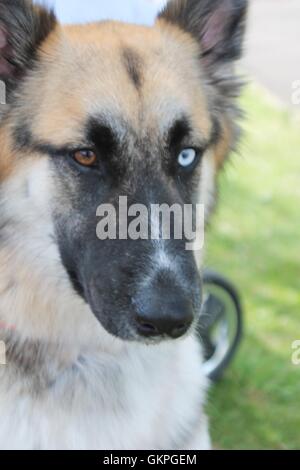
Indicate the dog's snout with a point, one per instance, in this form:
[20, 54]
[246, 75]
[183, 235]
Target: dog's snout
[163, 312]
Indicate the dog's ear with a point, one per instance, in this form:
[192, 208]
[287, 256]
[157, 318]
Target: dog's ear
[23, 27]
[217, 25]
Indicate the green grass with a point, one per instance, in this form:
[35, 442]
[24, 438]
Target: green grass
[254, 239]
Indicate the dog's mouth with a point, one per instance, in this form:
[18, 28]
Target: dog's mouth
[135, 302]
[122, 321]
[130, 322]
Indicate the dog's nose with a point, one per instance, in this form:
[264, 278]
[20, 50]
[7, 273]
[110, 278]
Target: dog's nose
[163, 313]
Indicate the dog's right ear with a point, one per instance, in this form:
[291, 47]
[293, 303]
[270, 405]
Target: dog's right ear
[23, 27]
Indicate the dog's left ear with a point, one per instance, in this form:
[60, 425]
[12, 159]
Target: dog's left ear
[217, 25]
[23, 27]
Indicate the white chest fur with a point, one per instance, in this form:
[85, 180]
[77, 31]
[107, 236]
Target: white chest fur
[149, 397]
[103, 393]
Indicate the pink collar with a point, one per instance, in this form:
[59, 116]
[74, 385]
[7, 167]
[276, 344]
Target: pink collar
[6, 326]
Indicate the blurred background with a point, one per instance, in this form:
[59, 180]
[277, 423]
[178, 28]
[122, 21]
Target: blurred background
[254, 236]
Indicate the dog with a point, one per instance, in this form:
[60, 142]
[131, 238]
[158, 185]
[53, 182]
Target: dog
[101, 348]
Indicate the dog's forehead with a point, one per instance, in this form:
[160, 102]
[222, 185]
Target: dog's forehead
[145, 77]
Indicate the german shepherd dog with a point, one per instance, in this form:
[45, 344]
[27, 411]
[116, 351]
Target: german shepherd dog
[101, 351]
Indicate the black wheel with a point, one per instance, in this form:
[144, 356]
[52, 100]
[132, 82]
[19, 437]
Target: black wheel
[220, 324]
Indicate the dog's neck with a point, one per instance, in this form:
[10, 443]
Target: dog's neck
[44, 324]
[38, 364]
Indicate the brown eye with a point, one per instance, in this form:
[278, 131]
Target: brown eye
[85, 157]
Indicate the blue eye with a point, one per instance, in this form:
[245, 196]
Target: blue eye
[187, 157]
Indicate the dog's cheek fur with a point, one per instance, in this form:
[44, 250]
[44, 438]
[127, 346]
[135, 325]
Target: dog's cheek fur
[58, 362]
[40, 300]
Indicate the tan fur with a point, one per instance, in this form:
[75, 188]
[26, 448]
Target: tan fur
[69, 83]
[224, 145]
[147, 78]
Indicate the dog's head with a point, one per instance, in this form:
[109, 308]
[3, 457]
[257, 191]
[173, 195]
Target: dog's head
[105, 110]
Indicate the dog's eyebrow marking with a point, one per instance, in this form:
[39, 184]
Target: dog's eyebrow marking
[102, 135]
[133, 63]
[181, 130]
[178, 132]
